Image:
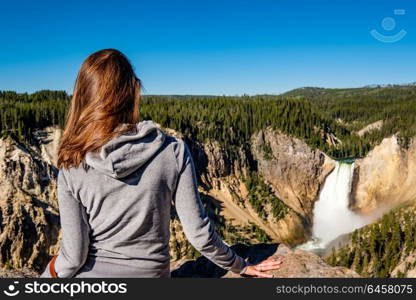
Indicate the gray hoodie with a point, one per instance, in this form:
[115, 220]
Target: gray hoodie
[115, 213]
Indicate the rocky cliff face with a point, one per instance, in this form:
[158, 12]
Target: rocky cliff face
[286, 168]
[385, 177]
[28, 205]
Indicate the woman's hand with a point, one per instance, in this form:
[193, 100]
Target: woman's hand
[260, 270]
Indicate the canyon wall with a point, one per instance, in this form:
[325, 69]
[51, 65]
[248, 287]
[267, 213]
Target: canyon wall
[295, 171]
[384, 248]
[385, 177]
[297, 264]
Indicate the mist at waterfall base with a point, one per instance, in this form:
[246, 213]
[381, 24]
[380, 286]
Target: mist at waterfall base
[332, 217]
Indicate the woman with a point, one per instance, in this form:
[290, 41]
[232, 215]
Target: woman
[117, 180]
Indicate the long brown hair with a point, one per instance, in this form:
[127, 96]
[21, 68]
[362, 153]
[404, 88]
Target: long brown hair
[106, 95]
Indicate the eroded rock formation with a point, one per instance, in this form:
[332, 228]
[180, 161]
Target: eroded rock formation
[296, 264]
[385, 177]
[29, 215]
[28, 205]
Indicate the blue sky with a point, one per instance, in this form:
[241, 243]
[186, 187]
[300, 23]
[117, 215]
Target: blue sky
[210, 47]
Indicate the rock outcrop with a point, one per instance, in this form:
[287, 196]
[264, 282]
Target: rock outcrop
[18, 273]
[407, 266]
[296, 264]
[288, 165]
[30, 217]
[370, 127]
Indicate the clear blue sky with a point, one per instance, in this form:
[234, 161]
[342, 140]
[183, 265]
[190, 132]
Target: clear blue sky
[210, 47]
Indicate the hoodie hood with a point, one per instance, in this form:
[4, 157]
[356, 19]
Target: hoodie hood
[126, 153]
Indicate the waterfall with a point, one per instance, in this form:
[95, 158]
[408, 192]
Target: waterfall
[332, 217]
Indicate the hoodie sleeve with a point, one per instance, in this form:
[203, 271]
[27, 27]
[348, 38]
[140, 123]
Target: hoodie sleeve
[74, 245]
[195, 222]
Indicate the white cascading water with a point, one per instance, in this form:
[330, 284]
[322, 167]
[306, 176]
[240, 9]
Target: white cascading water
[332, 217]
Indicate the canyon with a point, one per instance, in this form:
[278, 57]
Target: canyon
[290, 172]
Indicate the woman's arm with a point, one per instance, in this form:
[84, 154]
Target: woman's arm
[75, 232]
[194, 219]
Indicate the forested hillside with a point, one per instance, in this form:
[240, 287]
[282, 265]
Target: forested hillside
[355, 108]
[22, 113]
[386, 248]
[328, 119]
